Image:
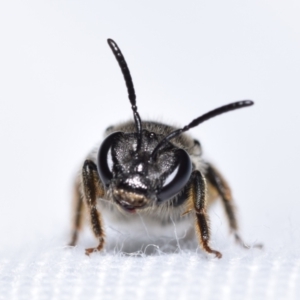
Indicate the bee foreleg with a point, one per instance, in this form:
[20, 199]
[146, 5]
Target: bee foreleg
[198, 194]
[222, 187]
[92, 189]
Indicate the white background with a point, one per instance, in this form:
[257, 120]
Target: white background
[60, 87]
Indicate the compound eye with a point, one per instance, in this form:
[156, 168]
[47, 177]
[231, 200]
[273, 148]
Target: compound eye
[178, 178]
[104, 160]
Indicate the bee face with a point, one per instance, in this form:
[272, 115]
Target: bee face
[134, 178]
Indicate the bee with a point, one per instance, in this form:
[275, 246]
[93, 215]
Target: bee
[151, 170]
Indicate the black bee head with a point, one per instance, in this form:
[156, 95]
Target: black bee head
[136, 178]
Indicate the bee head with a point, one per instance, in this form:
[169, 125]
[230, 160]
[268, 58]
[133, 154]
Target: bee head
[136, 179]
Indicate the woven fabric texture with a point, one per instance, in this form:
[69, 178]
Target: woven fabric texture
[50, 271]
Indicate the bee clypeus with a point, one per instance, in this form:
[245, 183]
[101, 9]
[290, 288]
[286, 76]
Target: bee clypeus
[151, 170]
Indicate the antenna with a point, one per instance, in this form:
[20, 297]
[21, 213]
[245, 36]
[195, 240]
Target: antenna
[201, 119]
[130, 88]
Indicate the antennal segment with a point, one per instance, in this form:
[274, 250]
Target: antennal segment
[130, 88]
[201, 119]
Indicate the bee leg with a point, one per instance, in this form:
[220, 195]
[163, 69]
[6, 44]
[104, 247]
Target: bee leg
[92, 189]
[77, 220]
[198, 194]
[222, 187]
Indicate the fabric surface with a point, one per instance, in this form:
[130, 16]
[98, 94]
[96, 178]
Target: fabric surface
[52, 271]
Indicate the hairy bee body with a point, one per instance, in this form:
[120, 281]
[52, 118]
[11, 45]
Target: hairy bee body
[155, 218]
[164, 220]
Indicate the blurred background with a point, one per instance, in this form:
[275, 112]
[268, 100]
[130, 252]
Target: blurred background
[60, 87]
